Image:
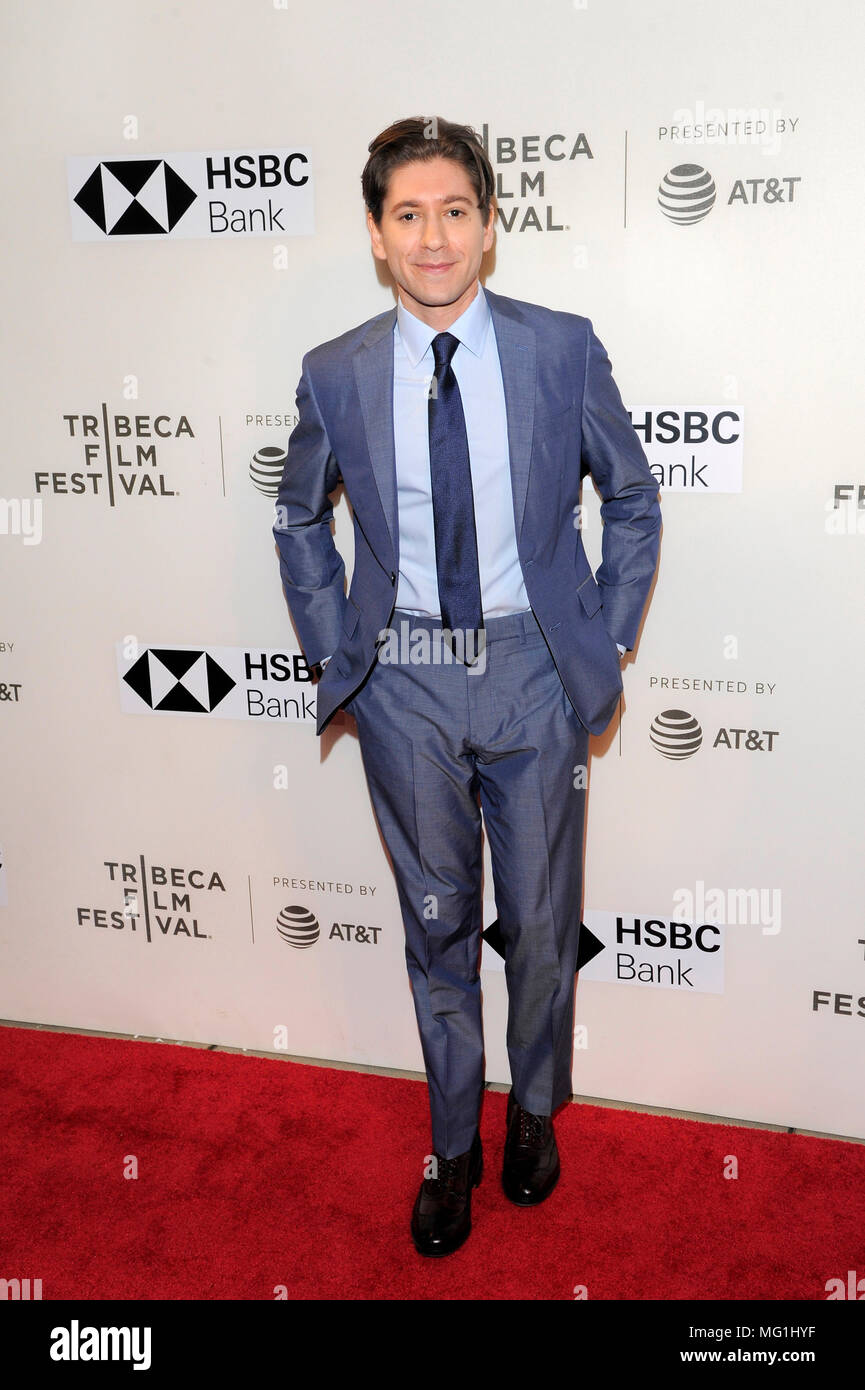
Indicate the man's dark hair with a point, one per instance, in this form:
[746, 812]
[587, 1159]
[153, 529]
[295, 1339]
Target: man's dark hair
[420, 138]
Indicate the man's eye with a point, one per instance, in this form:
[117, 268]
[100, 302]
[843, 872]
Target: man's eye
[405, 215]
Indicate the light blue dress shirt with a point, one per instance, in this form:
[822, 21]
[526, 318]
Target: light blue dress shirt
[479, 376]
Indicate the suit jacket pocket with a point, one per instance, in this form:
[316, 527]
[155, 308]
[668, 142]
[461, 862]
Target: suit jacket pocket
[350, 617]
[350, 620]
[590, 596]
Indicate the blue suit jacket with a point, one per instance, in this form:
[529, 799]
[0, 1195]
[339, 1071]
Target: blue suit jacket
[565, 418]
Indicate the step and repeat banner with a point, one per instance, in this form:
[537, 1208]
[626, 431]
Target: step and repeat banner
[182, 857]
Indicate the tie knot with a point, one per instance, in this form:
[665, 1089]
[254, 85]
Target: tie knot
[444, 345]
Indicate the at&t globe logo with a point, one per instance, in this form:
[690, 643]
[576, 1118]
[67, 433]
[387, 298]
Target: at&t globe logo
[676, 734]
[686, 194]
[298, 926]
[266, 468]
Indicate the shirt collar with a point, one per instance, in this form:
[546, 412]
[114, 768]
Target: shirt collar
[470, 328]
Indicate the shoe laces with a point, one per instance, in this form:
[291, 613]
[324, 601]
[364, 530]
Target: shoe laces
[446, 1172]
[531, 1129]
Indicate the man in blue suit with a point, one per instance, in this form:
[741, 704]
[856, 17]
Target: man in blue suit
[475, 648]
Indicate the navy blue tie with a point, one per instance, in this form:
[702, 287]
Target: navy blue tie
[459, 583]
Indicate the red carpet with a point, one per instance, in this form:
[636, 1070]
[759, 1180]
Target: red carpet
[255, 1173]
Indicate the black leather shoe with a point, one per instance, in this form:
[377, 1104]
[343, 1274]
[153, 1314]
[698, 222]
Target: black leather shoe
[531, 1166]
[442, 1216]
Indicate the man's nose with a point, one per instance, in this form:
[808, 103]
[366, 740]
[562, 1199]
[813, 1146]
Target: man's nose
[435, 235]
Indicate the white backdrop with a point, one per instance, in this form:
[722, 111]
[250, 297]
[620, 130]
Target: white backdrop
[260, 909]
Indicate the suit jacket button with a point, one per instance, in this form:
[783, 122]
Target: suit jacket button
[392, 577]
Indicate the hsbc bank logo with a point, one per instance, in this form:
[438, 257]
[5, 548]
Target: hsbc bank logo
[219, 682]
[181, 682]
[661, 952]
[696, 448]
[191, 194]
[134, 197]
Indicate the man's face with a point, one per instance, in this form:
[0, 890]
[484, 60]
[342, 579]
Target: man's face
[433, 237]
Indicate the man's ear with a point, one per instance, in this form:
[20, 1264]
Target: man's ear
[490, 229]
[375, 238]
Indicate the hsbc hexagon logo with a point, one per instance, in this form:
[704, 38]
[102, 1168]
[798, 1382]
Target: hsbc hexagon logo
[134, 197]
[180, 682]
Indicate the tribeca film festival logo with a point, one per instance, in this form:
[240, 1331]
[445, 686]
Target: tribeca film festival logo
[300, 928]
[120, 455]
[687, 193]
[693, 450]
[153, 901]
[521, 189]
[232, 193]
[678, 735]
[842, 1003]
[222, 682]
[846, 510]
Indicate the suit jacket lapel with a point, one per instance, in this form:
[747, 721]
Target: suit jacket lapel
[373, 370]
[517, 344]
